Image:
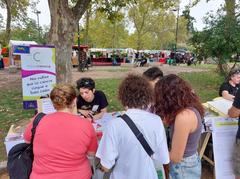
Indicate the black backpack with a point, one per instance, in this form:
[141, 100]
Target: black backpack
[20, 157]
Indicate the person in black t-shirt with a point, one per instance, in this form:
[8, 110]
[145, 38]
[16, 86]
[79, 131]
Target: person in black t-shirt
[91, 103]
[153, 74]
[234, 111]
[229, 88]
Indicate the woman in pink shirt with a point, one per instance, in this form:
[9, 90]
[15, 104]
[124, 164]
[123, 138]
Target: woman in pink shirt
[62, 140]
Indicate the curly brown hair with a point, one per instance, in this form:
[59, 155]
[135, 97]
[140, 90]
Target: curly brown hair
[62, 96]
[135, 92]
[173, 95]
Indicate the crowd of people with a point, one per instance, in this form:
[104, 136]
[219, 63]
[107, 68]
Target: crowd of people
[164, 108]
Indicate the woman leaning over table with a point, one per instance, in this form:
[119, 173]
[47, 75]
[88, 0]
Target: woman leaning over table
[62, 140]
[181, 109]
[120, 149]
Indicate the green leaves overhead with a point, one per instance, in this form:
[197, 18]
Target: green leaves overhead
[220, 38]
[112, 8]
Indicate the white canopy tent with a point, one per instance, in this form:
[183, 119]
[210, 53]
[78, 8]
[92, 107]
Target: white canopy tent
[15, 43]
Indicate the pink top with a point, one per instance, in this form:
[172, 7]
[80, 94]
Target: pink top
[60, 147]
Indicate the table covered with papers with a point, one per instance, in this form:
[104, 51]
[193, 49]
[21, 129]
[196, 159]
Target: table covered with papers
[223, 130]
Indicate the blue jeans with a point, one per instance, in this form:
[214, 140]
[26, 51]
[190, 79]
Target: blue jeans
[188, 168]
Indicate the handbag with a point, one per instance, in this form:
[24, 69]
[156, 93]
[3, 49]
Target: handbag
[20, 157]
[142, 140]
[138, 134]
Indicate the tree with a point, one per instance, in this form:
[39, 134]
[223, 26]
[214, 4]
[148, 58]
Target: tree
[65, 17]
[16, 9]
[100, 32]
[28, 30]
[189, 18]
[142, 13]
[221, 37]
[87, 16]
[216, 42]
[113, 9]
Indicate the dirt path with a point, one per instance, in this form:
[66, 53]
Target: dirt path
[13, 80]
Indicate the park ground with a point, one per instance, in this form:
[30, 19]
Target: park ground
[11, 82]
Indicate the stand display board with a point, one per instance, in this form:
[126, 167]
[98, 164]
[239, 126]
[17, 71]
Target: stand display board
[224, 137]
[38, 72]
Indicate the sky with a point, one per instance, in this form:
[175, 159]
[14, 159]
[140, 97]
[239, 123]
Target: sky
[198, 12]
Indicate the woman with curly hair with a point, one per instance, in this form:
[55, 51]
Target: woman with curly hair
[120, 149]
[181, 109]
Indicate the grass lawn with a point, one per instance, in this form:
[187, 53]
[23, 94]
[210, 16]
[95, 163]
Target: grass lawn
[206, 84]
[11, 112]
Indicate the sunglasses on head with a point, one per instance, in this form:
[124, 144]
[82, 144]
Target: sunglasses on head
[236, 72]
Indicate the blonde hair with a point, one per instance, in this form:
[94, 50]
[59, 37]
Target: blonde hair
[62, 96]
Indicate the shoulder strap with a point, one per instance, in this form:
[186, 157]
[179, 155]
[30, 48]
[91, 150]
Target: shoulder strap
[35, 123]
[138, 134]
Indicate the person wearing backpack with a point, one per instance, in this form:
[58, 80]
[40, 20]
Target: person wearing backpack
[62, 140]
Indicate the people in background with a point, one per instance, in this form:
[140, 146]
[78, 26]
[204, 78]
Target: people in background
[229, 88]
[143, 61]
[1, 62]
[91, 103]
[234, 111]
[153, 74]
[181, 109]
[120, 149]
[62, 140]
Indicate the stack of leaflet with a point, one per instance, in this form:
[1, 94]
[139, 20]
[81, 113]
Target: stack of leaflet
[45, 105]
[107, 117]
[220, 106]
[14, 136]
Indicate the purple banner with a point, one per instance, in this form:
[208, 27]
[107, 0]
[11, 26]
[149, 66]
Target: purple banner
[30, 104]
[26, 73]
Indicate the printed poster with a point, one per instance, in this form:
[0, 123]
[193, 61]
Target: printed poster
[38, 74]
[224, 137]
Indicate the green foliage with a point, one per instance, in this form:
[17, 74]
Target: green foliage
[220, 39]
[155, 23]
[11, 112]
[28, 31]
[17, 11]
[189, 18]
[112, 9]
[101, 32]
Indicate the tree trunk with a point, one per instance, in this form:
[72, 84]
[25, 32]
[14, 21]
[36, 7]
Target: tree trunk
[139, 41]
[88, 13]
[64, 21]
[9, 19]
[230, 6]
[114, 34]
[222, 66]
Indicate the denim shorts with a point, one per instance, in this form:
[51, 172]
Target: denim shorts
[236, 158]
[188, 168]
